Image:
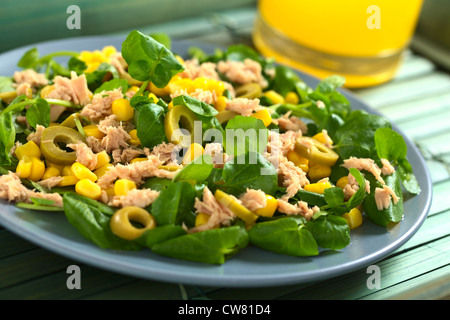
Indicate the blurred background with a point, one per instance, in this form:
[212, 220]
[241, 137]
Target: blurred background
[24, 22]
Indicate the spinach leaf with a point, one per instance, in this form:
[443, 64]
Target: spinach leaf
[7, 138]
[285, 80]
[38, 113]
[149, 60]
[211, 246]
[150, 125]
[198, 107]
[173, 203]
[198, 170]
[245, 134]
[93, 223]
[113, 84]
[29, 59]
[255, 172]
[77, 65]
[330, 231]
[160, 234]
[162, 38]
[104, 72]
[284, 236]
[156, 183]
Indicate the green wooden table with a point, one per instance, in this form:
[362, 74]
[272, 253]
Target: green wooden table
[417, 100]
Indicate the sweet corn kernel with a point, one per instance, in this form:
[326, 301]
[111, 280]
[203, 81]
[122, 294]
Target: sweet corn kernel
[123, 186]
[37, 169]
[102, 159]
[133, 89]
[55, 165]
[51, 172]
[195, 150]
[263, 115]
[108, 51]
[160, 92]
[170, 105]
[68, 181]
[24, 167]
[342, 182]
[221, 103]
[322, 138]
[217, 86]
[67, 170]
[29, 149]
[138, 160]
[354, 218]
[88, 188]
[153, 96]
[100, 172]
[170, 168]
[81, 172]
[134, 138]
[201, 218]
[201, 83]
[274, 96]
[122, 109]
[298, 160]
[46, 90]
[270, 208]
[319, 171]
[110, 191]
[181, 84]
[291, 97]
[91, 130]
[318, 187]
[180, 59]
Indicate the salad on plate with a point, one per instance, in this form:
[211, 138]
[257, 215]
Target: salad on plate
[195, 157]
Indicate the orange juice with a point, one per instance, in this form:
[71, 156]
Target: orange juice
[361, 40]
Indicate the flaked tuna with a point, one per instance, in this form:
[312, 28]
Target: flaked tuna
[100, 106]
[31, 77]
[364, 164]
[136, 197]
[36, 135]
[242, 72]
[85, 155]
[253, 199]
[383, 197]
[299, 208]
[244, 106]
[288, 122]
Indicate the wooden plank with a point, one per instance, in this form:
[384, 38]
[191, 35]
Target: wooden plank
[10, 244]
[436, 145]
[439, 171]
[441, 201]
[412, 67]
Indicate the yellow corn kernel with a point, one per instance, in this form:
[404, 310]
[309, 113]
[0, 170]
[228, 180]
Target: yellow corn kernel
[108, 51]
[24, 167]
[29, 149]
[342, 182]
[195, 150]
[122, 109]
[263, 115]
[221, 103]
[170, 105]
[201, 218]
[138, 160]
[81, 172]
[67, 170]
[54, 165]
[160, 92]
[123, 186]
[51, 172]
[201, 83]
[180, 59]
[217, 86]
[88, 188]
[102, 159]
[181, 84]
[319, 171]
[46, 90]
[274, 97]
[291, 97]
[37, 169]
[170, 168]
[153, 96]
[318, 187]
[298, 160]
[91, 130]
[68, 181]
[322, 138]
[270, 208]
[100, 172]
[110, 191]
[134, 138]
[354, 218]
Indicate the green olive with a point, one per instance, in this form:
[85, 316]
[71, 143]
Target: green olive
[224, 116]
[121, 226]
[70, 120]
[315, 151]
[249, 91]
[8, 96]
[50, 148]
[179, 117]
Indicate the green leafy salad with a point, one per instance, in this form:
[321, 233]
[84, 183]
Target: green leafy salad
[195, 157]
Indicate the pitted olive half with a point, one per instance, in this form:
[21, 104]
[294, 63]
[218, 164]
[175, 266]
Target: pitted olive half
[178, 118]
[315, 151]
[50, 148]
[224, 116]
[249, 91]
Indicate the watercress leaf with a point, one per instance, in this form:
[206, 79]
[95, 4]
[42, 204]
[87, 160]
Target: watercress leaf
[93, 224]
[312, 198]
[150, 125]
[156, 183]
[42, 202]
[198, 170]
[104, 72]
[162, 38]
[254, 172]
[283, 236]
[244, 134]
[198, 107]
[334, 196]
[173, 203]
[211, 246]
[7, 138]
[408, 178]
[29, 59]
[285, 80]
[330, 231]
[113, 84]
[390, 144]
[330, 84]
[77, 65]
[38, 113]
[149, 60]
[359, 195]
[6, 84]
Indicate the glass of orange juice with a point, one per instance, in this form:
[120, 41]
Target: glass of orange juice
[361, 40]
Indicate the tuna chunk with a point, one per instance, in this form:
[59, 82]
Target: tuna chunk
[85, 155]
[36, 135]
[248, 71]
[219, 214]
[12, 189]
[31, 77]
[166, 152]
[25, 89]
[288, 122]
[364, 164]
[387, 168]
[116, 136]
[243, 106]
[352, 186]
[383, 197]
[253, 199]
[300, 208]
[193, 70]
[136, 197]
[100, 107]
